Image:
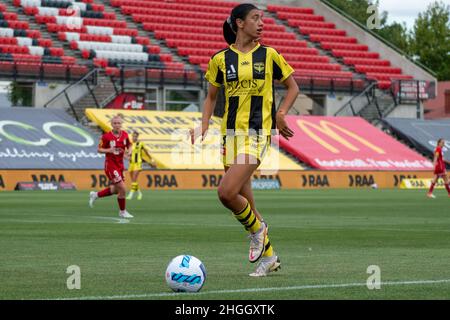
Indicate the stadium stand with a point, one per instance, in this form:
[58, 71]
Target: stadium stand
[347, 49]
[184, 23]
[161, 42]
[24, 51]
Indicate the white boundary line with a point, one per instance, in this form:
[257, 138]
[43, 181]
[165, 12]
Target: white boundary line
[251, 290]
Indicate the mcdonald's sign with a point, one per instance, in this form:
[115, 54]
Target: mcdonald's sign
[348, 143]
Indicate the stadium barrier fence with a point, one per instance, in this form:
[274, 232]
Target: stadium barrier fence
[210, 179]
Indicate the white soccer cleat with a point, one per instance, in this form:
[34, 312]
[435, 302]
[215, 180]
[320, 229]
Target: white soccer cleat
[92, 197]
[267, 265]
[257, 243]
[430, 195]
[125, 214]
[130, 195]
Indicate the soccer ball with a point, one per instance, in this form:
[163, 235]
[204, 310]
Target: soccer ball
[185, 273]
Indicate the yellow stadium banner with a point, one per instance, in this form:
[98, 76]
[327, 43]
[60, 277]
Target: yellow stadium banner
[165, 135]
[420, 184]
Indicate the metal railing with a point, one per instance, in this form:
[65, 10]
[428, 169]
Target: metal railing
[32, 70]
[330, 85]
[358, 102]
[132, 76]
[91, 76]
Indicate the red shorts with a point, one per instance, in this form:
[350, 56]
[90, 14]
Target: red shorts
[114, 173]
[439, 170]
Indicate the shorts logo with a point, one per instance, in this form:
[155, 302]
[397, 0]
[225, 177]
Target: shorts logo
[259, 67]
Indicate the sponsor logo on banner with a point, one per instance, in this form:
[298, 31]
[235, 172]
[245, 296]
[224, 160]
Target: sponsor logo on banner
[129, 101]
[41, 139]
[348, 143]
[420, 184]
[360, 180]
[267, 177]
[47, 178]
[325, 128]
[162, 181]
[265, 184]
[399, 178]
[315, 180]
[99, 181]
[211, 180]
[44, 186]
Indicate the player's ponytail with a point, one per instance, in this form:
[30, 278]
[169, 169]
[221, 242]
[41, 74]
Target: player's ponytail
[230, 26]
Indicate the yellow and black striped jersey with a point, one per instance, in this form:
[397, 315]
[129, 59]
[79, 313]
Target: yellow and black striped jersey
[248, 79]
[136, 153]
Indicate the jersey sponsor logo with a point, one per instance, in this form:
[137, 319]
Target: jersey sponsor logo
[331, 130]
[231, 73]
[245, 63]
[259, 67]
[243, 84]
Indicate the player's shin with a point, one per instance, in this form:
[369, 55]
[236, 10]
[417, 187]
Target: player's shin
[248, 219]
[104, 193]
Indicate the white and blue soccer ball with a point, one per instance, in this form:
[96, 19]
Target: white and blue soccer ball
[185, 273]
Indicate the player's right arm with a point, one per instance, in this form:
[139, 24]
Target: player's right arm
[215, 78]
[103, 146]
[208, 109]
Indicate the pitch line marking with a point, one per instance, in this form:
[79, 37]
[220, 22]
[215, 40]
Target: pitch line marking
[252, 290]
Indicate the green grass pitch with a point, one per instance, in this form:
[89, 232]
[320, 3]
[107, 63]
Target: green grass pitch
[326, 240]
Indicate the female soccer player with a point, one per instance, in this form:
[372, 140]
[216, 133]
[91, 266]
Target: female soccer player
[136, 165]
[247, 71]
[439, 169]
[115, 144]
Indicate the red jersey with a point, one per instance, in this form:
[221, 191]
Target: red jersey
[119, 143]
[440, 164]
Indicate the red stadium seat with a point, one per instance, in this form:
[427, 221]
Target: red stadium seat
[366, 62]
[344, 46]
[276, 8]
[322, 31]
[376, 69]
[355, 54]
[311, 24]
[334, 39]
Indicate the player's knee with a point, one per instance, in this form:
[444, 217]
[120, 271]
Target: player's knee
[121, 191]
[226, 195]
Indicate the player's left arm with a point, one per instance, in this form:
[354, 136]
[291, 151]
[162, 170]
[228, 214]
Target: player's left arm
[128, 149]
[152, 161]
[288, 102]
[283, 72]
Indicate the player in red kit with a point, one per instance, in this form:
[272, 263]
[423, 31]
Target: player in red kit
[439, 169]
[116, 146]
